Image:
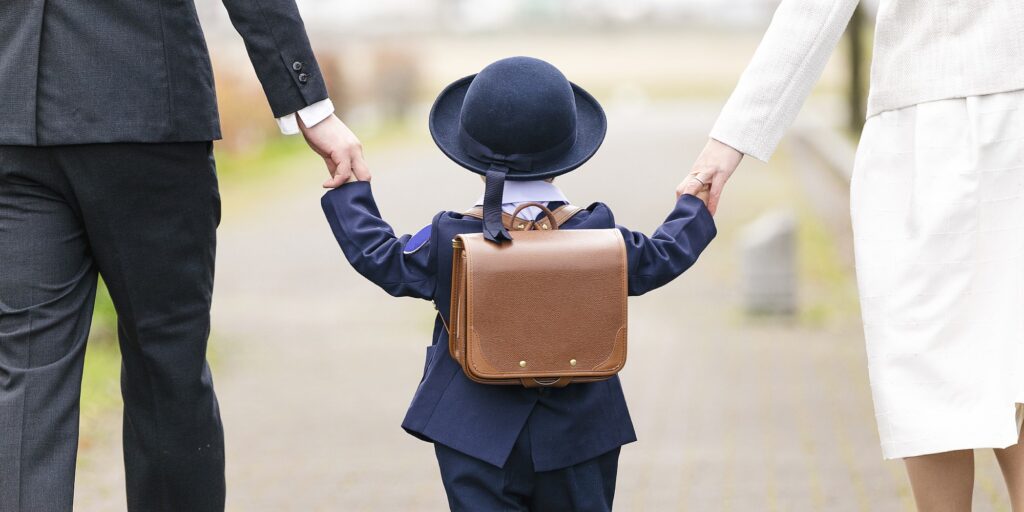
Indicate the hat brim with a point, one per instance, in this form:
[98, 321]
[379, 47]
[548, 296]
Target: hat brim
[591, 126]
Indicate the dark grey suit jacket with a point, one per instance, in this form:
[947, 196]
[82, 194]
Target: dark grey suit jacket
[95, 71]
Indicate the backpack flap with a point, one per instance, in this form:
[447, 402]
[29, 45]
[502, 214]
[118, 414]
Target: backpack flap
[546, 309]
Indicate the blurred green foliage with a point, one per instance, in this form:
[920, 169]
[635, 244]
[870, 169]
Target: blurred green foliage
[236, 168]
[100, 390]
[833, 293]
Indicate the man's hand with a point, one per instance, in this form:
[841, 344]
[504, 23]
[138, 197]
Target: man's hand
[713, 168]
[340, 149]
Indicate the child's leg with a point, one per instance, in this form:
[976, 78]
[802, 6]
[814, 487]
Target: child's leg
[473, 485]
[586, 487]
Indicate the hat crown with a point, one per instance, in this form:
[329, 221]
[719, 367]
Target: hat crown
[519, 105]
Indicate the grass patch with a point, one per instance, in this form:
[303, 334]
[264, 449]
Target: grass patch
[829, 291]
[235, 168]
[101, 392]
[281, 154]
[826, 289]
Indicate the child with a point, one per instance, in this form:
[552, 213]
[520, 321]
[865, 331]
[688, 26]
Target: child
[510, 447]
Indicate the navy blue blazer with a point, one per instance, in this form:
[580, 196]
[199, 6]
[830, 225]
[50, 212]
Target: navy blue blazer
[567, 425]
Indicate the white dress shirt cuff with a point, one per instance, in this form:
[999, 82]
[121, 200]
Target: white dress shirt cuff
[311, 115]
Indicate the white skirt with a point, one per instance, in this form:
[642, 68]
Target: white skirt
[937, 201]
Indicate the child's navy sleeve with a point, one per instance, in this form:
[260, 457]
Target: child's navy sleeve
[402, 266]
[673, 248]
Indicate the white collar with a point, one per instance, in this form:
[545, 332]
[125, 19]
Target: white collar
[524, 191]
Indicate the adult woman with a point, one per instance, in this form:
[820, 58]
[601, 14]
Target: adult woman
[937, 200]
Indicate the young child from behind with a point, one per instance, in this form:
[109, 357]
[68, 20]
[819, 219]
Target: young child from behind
[519, 123]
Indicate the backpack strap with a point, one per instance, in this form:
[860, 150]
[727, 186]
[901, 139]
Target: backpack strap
[565, 212]
[562, 215]
[477, 212]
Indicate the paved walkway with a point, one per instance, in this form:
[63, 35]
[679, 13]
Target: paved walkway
[315, 366]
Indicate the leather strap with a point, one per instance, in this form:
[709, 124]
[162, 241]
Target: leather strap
[543, 209]
[562, 214]
[477, 212]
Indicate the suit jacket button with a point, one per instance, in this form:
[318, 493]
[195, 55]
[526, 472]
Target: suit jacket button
[297, 66]
[303, 77]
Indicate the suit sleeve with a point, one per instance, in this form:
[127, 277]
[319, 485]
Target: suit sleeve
[371, 246]
[279, 49]
[674, 247]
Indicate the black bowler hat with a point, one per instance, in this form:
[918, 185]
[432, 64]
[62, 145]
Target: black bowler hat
[518, 119]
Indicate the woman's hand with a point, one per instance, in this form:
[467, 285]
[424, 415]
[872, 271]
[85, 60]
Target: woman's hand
[695, 184]
[709, 173]
[340, 149]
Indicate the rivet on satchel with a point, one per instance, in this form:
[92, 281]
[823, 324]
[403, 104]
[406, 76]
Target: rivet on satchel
[547, 308]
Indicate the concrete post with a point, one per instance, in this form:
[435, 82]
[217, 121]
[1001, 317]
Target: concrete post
[768, 264]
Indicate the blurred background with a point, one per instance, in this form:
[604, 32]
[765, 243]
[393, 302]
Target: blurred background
[747, 377]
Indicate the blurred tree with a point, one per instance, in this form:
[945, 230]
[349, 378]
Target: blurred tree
[245, 117]
[395, 77]
[334, 67]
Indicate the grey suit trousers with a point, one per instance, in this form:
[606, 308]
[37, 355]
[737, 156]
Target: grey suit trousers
[144, 216]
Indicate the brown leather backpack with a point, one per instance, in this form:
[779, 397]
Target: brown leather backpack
[546, 309]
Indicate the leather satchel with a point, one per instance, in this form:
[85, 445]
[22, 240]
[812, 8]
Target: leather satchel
[546, 309]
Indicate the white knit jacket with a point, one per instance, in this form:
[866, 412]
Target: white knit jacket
[924, 50]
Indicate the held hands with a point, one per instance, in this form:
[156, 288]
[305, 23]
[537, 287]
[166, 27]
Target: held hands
[696, 184]
[709, 173]
[340, 149]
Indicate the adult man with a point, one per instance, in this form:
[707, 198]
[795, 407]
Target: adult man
[107, 113]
